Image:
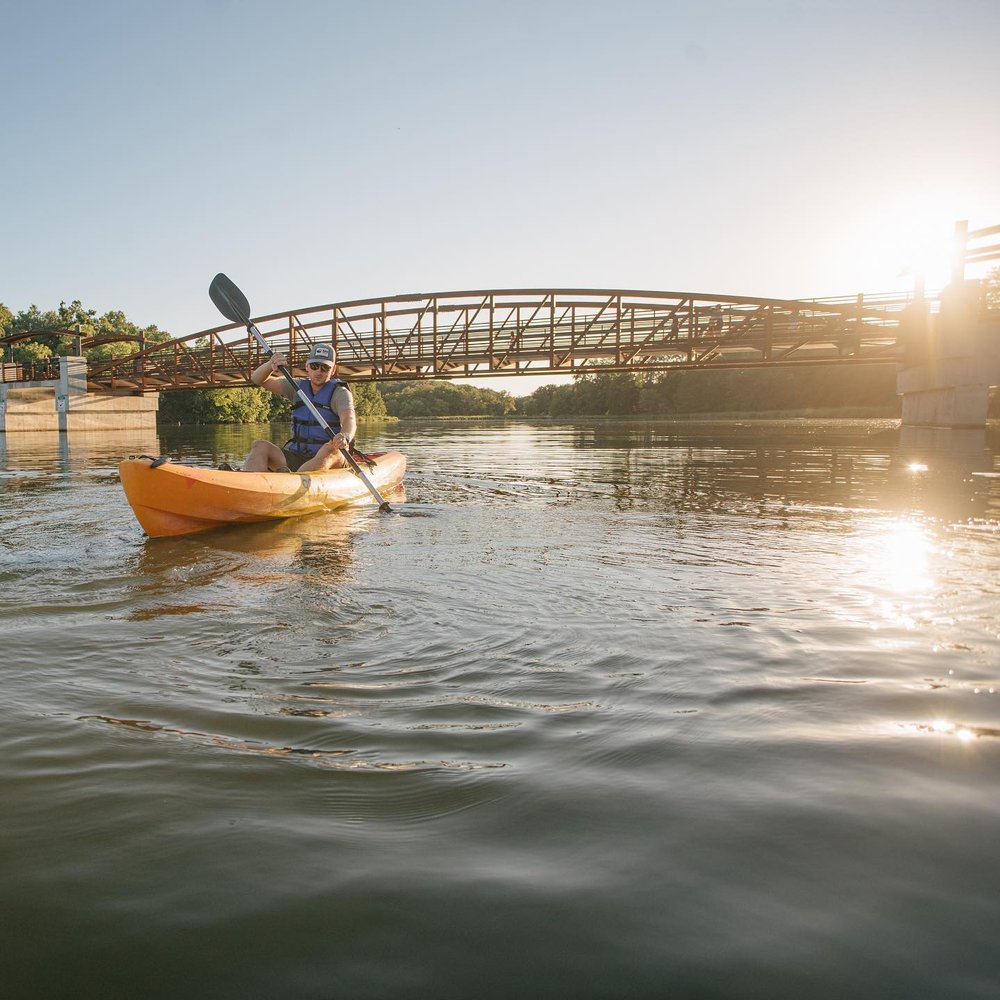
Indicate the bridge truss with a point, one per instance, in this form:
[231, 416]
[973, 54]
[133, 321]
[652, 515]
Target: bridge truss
[475, 334]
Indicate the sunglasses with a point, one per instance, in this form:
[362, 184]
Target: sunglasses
[315, 366]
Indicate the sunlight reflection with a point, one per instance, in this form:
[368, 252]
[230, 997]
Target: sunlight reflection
[901, 557]
[942, 727]
[917, 467]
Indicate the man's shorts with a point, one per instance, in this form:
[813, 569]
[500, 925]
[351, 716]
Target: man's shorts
[293, 459]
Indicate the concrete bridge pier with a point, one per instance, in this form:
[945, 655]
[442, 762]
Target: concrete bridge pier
[64, 405]
[950, 360]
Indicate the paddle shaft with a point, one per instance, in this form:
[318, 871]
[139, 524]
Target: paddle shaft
[289, 378]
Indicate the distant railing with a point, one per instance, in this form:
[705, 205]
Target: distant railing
[42, 371]
[970, 248]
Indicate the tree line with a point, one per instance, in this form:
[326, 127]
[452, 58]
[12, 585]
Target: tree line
[250, 405]
[867, 388]
[371, 401]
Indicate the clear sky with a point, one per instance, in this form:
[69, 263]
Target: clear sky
[318, 150]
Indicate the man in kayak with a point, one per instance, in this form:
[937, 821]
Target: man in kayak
[310, 449]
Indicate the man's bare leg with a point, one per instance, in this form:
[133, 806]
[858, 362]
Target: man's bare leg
[328, 457]
[265, 456]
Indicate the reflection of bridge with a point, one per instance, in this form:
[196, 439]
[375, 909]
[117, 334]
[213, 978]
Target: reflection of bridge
[516, 332]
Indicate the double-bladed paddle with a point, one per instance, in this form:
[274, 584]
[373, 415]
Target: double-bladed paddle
[233, 304]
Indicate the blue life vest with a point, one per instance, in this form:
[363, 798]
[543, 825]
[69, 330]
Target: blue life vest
[308, 435]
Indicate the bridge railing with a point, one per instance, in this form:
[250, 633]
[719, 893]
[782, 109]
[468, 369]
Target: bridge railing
[975, 246]
[41, 371]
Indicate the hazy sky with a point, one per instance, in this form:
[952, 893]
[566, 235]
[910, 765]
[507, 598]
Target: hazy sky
[321, 151]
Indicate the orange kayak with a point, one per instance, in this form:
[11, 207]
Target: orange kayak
[180, 499]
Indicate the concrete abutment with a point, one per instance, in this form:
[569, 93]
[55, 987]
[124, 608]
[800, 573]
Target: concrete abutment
[950, 359]
[63, 405]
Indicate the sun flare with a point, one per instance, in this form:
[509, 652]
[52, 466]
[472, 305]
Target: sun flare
[910, 239]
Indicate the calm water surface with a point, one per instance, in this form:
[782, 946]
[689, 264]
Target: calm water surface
[629, 710]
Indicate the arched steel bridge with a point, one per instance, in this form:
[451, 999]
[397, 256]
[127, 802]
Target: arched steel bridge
[474, 334]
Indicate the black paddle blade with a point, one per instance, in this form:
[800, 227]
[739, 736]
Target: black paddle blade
[229, 300]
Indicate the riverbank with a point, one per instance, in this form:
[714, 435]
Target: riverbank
[820, 413]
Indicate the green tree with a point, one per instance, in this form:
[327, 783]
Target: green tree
[507, 403]
[33, 318]
[569, 400]
[445, 399]
[76, 317]
[28, 352]
[755, 390]
[116, 324]
[539, 403]
[368, 401]
[611, 394]
[216, 406]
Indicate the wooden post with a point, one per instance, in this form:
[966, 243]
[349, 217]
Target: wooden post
[552, 330]
[618, 328]
[383, 338]
[492, 309]
[420, 341]
[691, 329]
[434, 359]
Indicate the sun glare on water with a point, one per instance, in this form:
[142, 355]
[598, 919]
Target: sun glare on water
[901, 558]
[950, 729]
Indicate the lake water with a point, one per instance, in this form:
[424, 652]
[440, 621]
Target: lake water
[628, 710]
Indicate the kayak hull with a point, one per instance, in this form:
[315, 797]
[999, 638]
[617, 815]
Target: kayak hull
[181, 499]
